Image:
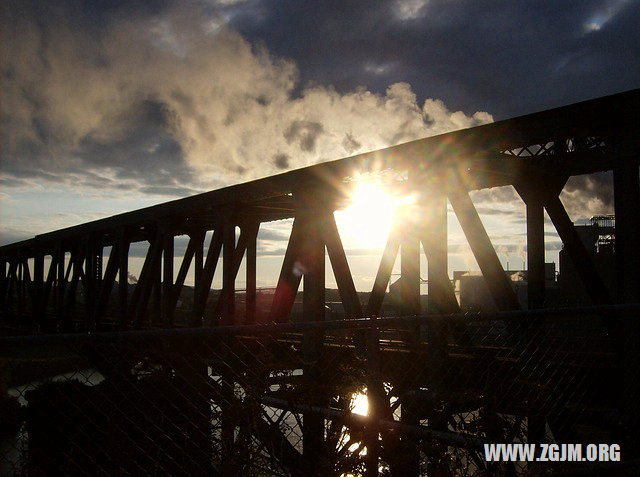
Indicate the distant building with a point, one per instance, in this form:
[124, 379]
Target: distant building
[473, 293]
[599, 238]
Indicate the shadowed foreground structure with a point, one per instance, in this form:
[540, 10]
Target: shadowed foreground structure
[222, 388]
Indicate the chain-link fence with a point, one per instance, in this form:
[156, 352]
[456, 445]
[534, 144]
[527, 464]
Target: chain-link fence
[407, 396]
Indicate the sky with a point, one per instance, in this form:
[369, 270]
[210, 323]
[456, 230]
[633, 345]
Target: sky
[110, 106]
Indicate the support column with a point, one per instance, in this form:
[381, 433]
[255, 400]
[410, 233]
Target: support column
[198, 261]
[123, 281]
[38, 289]
[410, 270]
[535, 253]
[409, 227]
[434, 230]
[4, 281]
[140, 298]
[626, 189]
[167, 279]
[104, 291]
[73, 275]
[61, 280]
[536, 424]
[627, 210]
[21, 287]
[313, 256]
[228, 273]
[251, 271]
[156, 293]
[228, 316]
[434, 241]
[90, 281]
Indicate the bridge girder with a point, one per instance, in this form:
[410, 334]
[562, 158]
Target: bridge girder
[536, 154]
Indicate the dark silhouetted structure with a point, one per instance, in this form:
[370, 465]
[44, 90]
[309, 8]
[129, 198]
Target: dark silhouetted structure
[439, 382]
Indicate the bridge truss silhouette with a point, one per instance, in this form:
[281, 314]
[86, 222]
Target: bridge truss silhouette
[73, 281]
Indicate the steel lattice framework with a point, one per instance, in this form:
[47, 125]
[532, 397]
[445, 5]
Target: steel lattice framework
[536, 154]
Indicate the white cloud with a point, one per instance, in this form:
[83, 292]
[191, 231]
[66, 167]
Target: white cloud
[229, 105]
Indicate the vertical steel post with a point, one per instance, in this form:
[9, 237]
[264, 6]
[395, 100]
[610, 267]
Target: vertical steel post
[156, 293]
[410, 271]
[627, 215]
[4, 281]
[89, 281]
[38, 289]
[376, 399]
[251, 271]
[21, 286]
[626, 189]
[123, 276]
[535, 253]
[533, 199]
[167, 279]
[313, 310]
[61, 280]
[198, 261]
[228, 314]
[441, 299]
[410, 305]
[228, 272]
[435, 236]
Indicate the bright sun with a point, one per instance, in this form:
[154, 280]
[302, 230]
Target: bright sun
[360, 404]
[367, 221]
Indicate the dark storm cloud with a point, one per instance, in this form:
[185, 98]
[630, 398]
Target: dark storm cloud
[47, 49]
[600, 183]
[305, 133]
[154, 96]
[588, 195]
[350, 143]
[281, 161]
[165, 98]
[145, 150]
[506, 57]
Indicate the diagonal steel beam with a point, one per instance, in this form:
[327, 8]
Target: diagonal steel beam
[384, 272]
[573, 245]
[290, 276]
[247, 239]
[497, 281]
[340, 265]
[107, 284]
[182, 275]
[142, 291]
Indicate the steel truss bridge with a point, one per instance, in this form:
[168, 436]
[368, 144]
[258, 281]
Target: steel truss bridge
[428, 373]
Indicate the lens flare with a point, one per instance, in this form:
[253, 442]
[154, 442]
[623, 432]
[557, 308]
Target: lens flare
[367, 221]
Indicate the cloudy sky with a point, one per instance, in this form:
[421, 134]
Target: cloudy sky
[110, 106]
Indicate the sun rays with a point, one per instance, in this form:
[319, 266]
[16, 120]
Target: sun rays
[367, 221]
